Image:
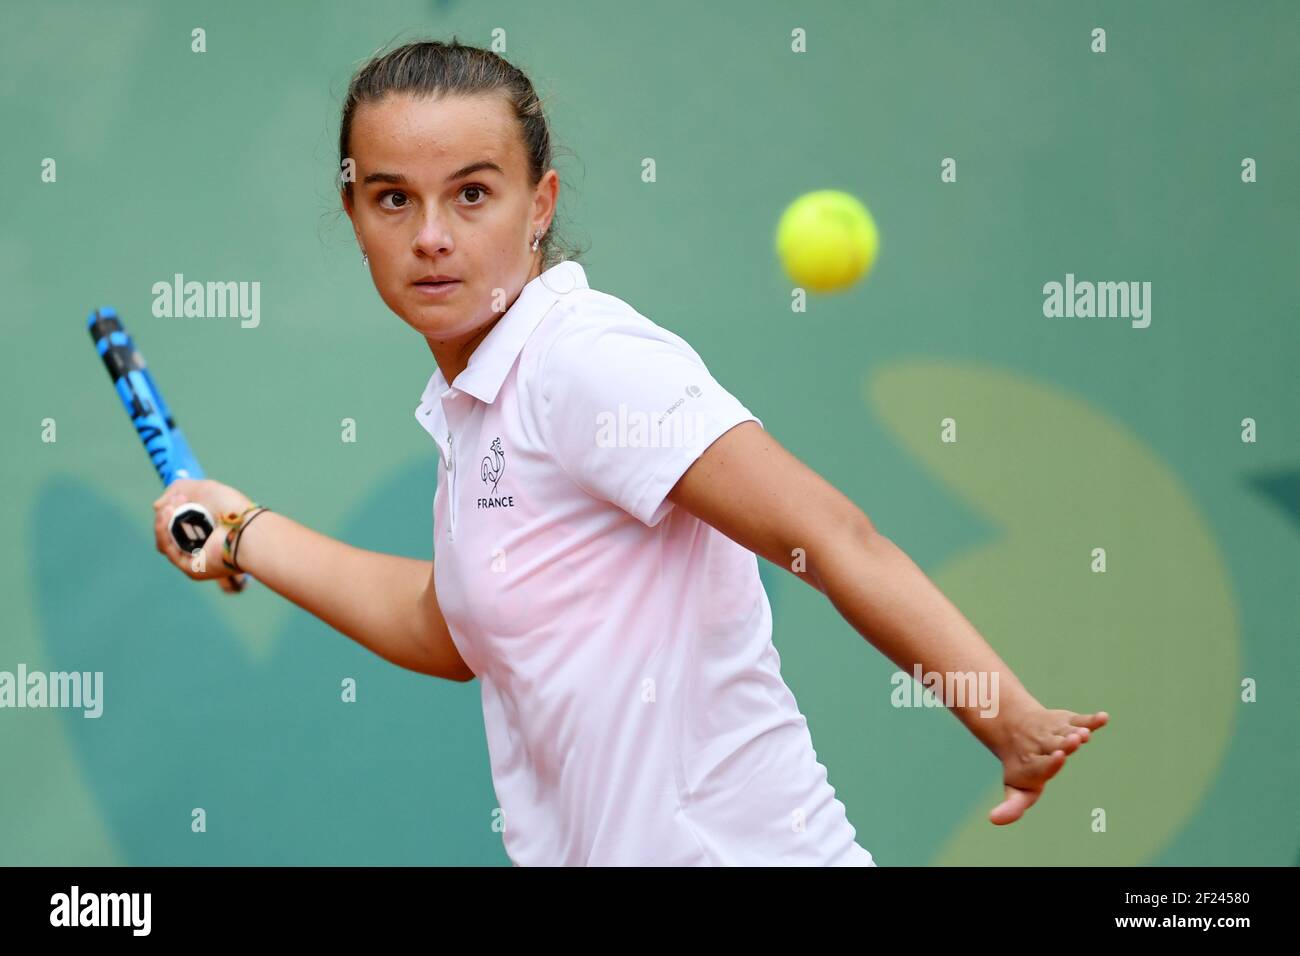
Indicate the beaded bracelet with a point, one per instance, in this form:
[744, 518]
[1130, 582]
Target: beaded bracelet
[236, 523]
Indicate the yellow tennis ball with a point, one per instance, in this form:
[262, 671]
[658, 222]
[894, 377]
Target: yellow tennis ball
[826, 240]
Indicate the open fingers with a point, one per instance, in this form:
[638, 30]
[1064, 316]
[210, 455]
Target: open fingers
[1067, 742]
[1043, 767]
[1090, 721]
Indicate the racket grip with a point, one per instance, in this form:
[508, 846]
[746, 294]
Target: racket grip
[191, 526]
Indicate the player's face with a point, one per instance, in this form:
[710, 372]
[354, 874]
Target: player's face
[442, 190]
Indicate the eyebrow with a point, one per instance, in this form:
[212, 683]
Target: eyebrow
[397, 179]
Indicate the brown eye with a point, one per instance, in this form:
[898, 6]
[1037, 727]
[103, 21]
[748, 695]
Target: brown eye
[392, 192]
[474, 189]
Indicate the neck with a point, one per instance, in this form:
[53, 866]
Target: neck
[453, 355]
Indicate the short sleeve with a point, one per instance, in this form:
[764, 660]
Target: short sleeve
[628, 407]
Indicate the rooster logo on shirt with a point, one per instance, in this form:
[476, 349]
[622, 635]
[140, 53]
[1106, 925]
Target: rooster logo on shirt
[493, 464]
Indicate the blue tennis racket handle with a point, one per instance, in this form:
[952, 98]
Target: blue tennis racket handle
[163, 440]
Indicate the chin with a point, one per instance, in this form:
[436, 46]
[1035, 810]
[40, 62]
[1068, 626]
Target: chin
[435, 322]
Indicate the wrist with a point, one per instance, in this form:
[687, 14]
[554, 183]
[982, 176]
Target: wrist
[233, 553]
[252, 544]
[1001, 732]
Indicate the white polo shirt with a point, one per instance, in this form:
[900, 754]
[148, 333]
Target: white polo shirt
[632, 698]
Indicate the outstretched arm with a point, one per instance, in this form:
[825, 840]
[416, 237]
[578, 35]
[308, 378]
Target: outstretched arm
[754, 491]
[385, 602]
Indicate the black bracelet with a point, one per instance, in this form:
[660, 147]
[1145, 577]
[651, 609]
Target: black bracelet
[234, 550]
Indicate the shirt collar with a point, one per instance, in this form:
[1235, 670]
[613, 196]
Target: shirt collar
[496, 354]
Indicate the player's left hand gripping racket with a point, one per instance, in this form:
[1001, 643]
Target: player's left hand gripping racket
[191, 523]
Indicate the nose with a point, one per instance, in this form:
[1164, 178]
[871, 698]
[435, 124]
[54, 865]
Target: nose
[433, 237]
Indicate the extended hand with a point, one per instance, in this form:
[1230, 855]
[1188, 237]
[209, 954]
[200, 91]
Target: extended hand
[1034, 752]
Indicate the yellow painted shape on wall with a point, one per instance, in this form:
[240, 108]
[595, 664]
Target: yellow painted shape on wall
[1153, 640]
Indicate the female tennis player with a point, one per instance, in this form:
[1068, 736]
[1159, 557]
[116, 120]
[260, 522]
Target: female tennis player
[601, 503]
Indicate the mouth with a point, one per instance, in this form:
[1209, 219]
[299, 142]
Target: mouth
[436, 285]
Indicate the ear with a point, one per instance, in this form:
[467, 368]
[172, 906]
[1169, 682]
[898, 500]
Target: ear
[544, 200]
[351, 211]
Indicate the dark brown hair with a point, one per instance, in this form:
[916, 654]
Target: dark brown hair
[435, 68]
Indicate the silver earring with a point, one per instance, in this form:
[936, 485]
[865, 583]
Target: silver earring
[365, 259]
[537, 237]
